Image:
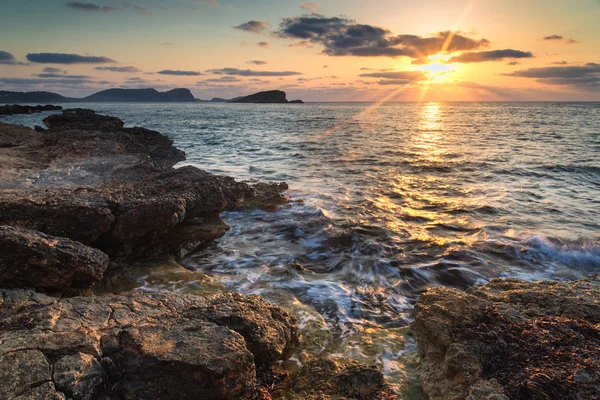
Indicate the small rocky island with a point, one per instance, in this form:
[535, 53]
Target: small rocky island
[271, 96]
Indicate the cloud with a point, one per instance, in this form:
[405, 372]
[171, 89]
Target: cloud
[396, 77]
[265, 45]
[118, 69]
[553, 37]
[303, 43]
[256, 62]
[61, 58]
[585, 77]
[248, 72]
[62, 76]
[223, 79]
[325, 66]
[8, 59]
[142, 10]
[494, 55]
[560, 38]
[559, 63]
[253, 26]
[309, 5]
[340, 36]
[166, 43]
[179, 73]
[52, 70]
[512, 63]
[77, 5]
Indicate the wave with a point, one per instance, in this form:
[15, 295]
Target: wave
[581, 254]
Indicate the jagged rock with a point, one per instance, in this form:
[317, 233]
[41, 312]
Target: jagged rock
[162, 346]
[49, 262]
[511, 339]
[82, 119]
[338, 379]
[267, 195]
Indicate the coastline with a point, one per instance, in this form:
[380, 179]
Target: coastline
[183, 213]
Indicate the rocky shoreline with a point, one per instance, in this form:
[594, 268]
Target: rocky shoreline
[85, 198]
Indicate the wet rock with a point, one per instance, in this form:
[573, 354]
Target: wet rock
[511, 339]
[266, 195]
[338, 379]
[162, 346]
[48, 262]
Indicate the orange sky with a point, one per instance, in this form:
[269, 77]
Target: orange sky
[317, 51]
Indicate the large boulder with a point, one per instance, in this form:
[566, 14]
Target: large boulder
[49, 262]
[82, 119]
[511, 339]
[335, 378]
[140, 346]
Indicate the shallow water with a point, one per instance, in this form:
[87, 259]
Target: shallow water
[387, 201]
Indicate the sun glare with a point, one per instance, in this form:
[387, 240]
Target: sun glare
[438, 68]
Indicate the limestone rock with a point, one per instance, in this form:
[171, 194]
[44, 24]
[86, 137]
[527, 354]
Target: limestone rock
[511, 339]
[50, 262]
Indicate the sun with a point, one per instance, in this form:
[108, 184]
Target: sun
[437, 69]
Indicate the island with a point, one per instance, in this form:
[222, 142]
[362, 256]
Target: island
[150, 95]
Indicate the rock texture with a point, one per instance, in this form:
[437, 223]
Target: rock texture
[89, 179]
[49, 262]
[338, 379]
[142, 346]
[511, 339]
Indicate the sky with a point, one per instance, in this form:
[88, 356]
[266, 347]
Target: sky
[327, 50]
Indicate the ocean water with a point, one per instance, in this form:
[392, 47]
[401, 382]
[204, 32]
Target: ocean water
[387, 201]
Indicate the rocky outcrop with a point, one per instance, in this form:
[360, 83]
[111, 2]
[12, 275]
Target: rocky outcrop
[142, 346]
[330, 378]
[89, 179]
[271, 96]
[48, 262]
[19, 109]
[511, 339]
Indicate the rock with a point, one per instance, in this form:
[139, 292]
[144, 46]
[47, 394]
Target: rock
[18, 109]
[340, 379]
[296, 102]
[154, 346]
[511, 339]
[79, 376]
[49, 262]
[266, 195]
[89, 179]
[83, 119]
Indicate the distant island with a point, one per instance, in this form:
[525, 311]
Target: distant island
[140, 96]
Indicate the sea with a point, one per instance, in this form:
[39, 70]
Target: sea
[387, 200]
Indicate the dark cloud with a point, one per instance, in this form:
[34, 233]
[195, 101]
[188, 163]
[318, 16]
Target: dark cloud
[77, 5]
[256, 62]
[253, 26]
[118, 69]
[61, 58]
[559, 63]
[50, 81]
[52, 70]
[179, 73]
[513, 63]
[62, 76]
[264, 44]
[248, 72]
[494, 55]
[560, 38]
[580, 76]
[223, 79]
[340, 36]
[8, 59]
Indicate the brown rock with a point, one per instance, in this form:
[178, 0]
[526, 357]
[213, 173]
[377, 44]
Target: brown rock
[49, 262]
[511, 339]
